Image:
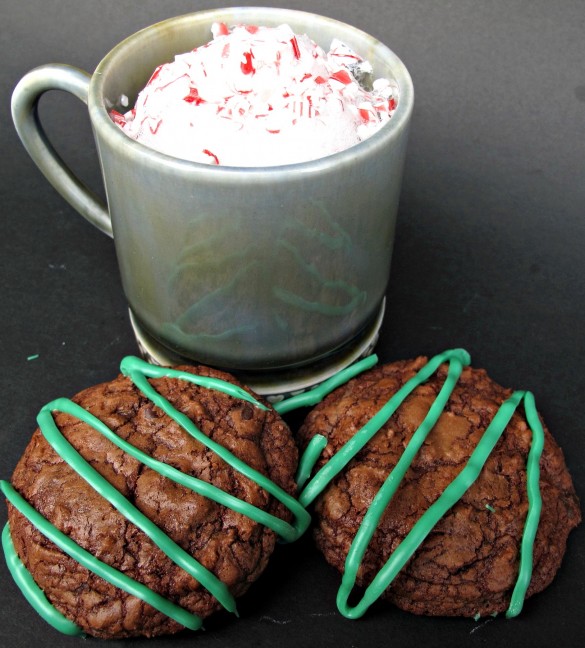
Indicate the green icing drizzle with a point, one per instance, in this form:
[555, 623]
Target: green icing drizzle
[132, 366]
[105, 571]
[101, 485]
[32, 592]
[317, 394]
[138, 370]
[534, 507]
[456, 358]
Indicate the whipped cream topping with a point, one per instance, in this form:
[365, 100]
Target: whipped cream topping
[259, 96]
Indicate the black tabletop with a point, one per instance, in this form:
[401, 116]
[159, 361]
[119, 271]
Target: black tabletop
[489, 256]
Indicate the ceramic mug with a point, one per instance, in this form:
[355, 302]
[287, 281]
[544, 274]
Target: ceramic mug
[252, 269]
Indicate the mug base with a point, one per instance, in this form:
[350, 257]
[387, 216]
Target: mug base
[276, 384]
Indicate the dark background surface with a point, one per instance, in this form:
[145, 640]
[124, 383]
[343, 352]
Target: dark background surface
[489, 255]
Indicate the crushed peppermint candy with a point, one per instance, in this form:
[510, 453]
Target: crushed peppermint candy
[259, 96]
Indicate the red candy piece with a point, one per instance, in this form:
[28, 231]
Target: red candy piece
[295, 46]
[213, 155]
[364, 114]
[154, 129]
[193, 97]
[117, 118]
[247, 65]
[342, 76]
[222, 29]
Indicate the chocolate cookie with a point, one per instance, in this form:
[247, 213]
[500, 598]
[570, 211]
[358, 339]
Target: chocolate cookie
[384, 465]
[147, 503]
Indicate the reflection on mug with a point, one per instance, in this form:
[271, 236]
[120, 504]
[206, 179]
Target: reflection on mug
[301, 284]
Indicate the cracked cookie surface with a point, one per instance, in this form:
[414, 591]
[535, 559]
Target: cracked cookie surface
[232, 546]
[469, 563]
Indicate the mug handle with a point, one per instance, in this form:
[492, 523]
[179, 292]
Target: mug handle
[25, 115]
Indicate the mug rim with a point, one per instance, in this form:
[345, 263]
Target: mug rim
[116, 137]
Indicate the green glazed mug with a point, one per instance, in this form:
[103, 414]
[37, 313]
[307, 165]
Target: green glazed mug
[261, 270]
